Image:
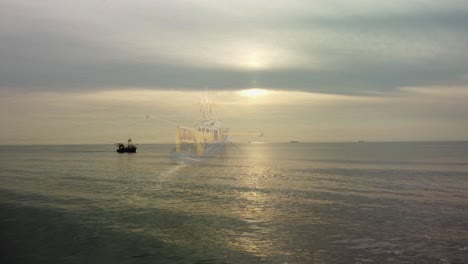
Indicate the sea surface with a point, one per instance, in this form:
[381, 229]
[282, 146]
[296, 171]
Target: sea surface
[255, 203]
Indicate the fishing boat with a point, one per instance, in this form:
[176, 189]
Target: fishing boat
[207, 138]
[128, 148]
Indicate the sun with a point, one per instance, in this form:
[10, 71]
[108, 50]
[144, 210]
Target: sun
[253, 92]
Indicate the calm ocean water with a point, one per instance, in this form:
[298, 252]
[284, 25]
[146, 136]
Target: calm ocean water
[258, 203]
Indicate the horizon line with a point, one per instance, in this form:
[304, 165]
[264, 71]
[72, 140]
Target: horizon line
[246, 142]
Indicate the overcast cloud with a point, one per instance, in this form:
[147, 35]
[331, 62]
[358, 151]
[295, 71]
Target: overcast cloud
[332, 46]
[345, 70]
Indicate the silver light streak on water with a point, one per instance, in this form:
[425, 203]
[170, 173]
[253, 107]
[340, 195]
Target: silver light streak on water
[271, 203]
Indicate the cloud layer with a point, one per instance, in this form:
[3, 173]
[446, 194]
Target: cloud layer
[346, 47]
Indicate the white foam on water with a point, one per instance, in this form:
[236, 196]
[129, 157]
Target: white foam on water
[173, 170]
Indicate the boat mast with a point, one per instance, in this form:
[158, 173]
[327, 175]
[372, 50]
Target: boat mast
[205, 109]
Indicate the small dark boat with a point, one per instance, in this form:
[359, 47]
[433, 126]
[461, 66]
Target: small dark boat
[294, 141]
[129, 148]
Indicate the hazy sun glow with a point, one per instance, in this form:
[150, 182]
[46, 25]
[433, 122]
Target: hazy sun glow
[253, 92]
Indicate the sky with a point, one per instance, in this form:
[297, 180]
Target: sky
[75, 72]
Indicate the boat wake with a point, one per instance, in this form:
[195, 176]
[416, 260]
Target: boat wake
[170, 172]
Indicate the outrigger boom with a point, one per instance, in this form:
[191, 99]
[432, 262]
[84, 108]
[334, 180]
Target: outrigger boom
[258, 134]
